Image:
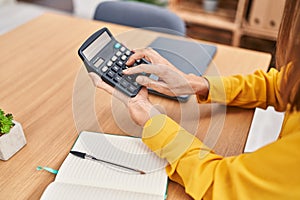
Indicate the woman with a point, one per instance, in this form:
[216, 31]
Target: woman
[271, 172]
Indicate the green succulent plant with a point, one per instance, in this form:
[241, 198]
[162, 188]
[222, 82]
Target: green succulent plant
[6, 122]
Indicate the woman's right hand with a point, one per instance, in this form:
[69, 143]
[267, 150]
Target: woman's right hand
[171, 81]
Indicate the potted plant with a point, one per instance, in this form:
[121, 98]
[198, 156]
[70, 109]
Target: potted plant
[12, 137]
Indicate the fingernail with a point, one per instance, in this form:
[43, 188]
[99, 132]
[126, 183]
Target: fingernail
[140, 79]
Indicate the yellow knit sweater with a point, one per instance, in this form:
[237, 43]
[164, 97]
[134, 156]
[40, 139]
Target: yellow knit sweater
[272, 172]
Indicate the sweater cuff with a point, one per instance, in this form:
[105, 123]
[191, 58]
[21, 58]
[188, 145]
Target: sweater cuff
[217, 91]
[166, 138]
[154, 134]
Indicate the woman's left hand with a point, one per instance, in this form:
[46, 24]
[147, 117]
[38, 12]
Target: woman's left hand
[140, 108]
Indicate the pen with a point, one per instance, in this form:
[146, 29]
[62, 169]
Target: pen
[89, 157]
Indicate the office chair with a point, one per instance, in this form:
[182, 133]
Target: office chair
[140, 15]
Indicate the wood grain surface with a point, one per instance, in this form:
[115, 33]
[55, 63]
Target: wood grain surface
[45, 86]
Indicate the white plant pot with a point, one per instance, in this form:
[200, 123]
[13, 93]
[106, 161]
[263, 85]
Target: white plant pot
[210, 5]
[12, 142]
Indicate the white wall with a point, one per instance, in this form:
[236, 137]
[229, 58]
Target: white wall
[85, 8]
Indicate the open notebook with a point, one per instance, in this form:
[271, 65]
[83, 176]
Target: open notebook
[85, 179]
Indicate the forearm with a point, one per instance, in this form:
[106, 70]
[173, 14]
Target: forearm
[188, 157]
[206, 175]
[260, 89]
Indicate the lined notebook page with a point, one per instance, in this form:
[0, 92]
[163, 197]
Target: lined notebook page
[57, 190]
[126, 151]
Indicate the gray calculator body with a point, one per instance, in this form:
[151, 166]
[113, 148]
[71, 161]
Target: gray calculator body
[105, 56]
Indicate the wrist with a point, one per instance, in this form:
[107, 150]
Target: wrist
[142, 111]
[200, 85]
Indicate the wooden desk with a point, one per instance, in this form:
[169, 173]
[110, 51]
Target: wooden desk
[40, 68]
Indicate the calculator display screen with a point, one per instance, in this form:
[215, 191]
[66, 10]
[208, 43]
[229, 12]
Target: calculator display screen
[96, 46]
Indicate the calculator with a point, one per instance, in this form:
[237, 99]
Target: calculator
[105, 56]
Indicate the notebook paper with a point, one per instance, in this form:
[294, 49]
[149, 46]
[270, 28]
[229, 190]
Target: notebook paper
[77, 174]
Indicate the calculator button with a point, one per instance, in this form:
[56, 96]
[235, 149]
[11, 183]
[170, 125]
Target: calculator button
[115, 68]
[117, 45]
[120, 63]
[117, 78]
[131, 88]
[153, 77]
[127, 53]
[138, 61]
[119, 53]
[124, 57]
[124, 83]
[110, 74]
[104, 69]
[120, 73]
[109, 63]
[135, 84]
[98, 62]
[130, 78]
[122, 49]
[114, 58]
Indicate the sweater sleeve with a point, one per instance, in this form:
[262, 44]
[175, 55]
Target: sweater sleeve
[269, 173]
[260, 89]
